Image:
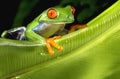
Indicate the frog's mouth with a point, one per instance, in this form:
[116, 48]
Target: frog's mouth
[61, 23]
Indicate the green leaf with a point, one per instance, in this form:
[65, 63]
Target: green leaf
[90, 53]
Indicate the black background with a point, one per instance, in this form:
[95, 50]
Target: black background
[9, 8]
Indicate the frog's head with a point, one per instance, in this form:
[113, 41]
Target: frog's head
[58, 15]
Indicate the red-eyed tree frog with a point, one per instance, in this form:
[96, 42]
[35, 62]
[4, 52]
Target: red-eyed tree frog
[48, 23]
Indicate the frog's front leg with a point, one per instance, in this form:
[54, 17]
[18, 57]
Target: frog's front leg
[50, 42]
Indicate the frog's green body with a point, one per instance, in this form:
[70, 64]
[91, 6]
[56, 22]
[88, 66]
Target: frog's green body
[46, 26]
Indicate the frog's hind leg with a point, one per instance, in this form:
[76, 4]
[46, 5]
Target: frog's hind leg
[50, 42]
[77, 26]
[16, 33]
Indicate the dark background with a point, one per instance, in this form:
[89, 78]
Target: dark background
[9, 9]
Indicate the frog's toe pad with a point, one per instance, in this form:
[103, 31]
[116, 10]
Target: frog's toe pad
[50, 42]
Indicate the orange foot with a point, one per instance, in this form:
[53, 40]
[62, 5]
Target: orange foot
[77, 26]
[50, 42]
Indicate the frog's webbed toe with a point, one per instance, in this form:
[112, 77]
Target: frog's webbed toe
[50, 42]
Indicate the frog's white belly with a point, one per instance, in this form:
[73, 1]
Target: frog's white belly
[48, 29]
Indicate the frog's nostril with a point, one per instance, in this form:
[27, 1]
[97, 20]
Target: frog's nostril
[68, 17]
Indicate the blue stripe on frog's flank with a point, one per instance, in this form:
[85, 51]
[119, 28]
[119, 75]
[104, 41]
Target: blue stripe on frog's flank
[38, 28]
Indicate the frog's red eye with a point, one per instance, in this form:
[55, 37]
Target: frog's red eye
[52, 13]
[73, 9]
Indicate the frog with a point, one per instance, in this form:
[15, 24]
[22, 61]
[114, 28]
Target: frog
[45, 26]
